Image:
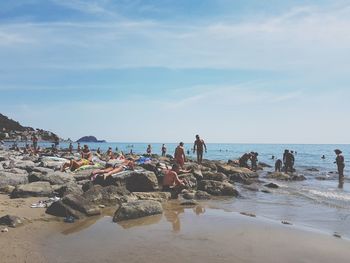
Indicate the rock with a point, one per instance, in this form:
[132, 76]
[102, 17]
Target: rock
[25, 165]
[7, 189]
[247, 214]
[12, 179]
[43, 170]
[197, 174]
[189, 177]
[83, 174]
[62, 210]
[215, 176]
[155, 196]
[201, 195]
[70, 188]
[32, 189]
[272, 185]
[323, 177]
[109, 195]
[81, 204]
[54, 178]
[137, 209]
[189, 203]
[252, 187]
[54, 165]
[4, 230]
[188, 195]
[278, 176]
[264, 165]
[138, 181]
[11, 221]
[209, 164]
[217, 188]
[237, 174]
[312, 170]
[298, 177]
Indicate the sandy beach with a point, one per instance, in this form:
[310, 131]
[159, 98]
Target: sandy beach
[191, 234]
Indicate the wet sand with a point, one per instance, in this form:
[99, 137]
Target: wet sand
[197, 234]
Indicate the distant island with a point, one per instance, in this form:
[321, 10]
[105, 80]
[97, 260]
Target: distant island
[89, 139]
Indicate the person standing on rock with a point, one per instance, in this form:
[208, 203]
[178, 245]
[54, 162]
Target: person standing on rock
[340, 161]
[78, 148]
[163, 150]
[35, 142]
[288, 160]
[70, 148]
[199, 146]
[179, 155]
[149, 149]
[254, 160]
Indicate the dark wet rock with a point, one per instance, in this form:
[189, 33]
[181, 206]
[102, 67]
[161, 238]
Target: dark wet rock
[248, 214]
[217, 188]
[266, 191]
[13, 179]
[312, 170]
[286, 223]
[87, 185]
[155, 196]
[137, 209]
[54, 178]
[81, 204]
[109, 195]
[151, 167]
[11, 221]
[264, 165]
[271, 185]
[188, 195]
[298, 177]
[189, 203]
[201, 195]
[215, 176]
[33, 189]
[70, 188]
[62, 210]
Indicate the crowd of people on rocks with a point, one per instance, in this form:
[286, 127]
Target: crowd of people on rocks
[118, 162]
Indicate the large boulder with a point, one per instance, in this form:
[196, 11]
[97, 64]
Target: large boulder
[13, 179]
[233, 170]
[138, 181]
[54, 178]
[69, 188]
[62, 210]
[286, 176]
[215, 176]
[25, 165]
[155, 196]
[109, 195]
[81, 204]
[137, 209]
[33, 189]
[217, 188]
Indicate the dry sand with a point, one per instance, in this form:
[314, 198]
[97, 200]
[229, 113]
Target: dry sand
[180, 235]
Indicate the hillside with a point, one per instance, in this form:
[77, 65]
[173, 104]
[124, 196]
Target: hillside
[10, 125]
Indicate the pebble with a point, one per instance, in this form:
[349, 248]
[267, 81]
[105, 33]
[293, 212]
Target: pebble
[5, 230]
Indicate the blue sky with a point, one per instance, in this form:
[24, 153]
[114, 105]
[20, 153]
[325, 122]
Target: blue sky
[247, 71]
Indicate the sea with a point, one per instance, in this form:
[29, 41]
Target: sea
[317, 204]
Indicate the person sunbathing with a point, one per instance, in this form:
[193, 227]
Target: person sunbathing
[110, 169]
[86, 159]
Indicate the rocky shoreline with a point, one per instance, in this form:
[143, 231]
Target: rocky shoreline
[133, 194]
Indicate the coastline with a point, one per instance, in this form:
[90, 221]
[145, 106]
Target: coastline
[187, 234]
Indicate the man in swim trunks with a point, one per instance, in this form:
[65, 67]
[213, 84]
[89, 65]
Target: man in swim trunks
[243, 161]
[163, 150]
[198, 146]
[179, 155]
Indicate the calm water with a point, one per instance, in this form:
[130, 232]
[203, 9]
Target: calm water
[313, 203]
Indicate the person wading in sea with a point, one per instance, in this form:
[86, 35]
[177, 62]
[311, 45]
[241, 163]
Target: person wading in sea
[198, 146]
[340, 161]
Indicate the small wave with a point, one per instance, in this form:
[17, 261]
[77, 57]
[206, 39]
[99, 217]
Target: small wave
[331, 195]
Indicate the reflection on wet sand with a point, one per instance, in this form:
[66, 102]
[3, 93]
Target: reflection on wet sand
[145, 221]
[80, 225]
